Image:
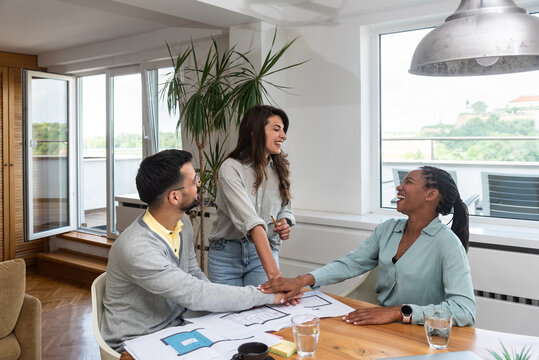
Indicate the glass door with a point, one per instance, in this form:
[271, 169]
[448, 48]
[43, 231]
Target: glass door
[50, 154]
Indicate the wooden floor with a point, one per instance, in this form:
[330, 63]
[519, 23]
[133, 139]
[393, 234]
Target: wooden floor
[67, 317]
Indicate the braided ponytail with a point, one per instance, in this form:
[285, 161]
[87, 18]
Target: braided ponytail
[439, 179]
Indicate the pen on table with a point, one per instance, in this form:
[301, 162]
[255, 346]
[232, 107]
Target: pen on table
[275, 222]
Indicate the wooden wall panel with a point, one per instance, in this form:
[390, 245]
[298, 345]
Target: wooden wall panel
[12, 192]
[28, 249]
[18, 60]
[4, 208]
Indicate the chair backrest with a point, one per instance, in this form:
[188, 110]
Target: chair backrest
[98, 290]
[364, 288]
[510, 196]
[400, 174]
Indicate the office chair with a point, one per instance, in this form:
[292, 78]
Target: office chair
[510, 196]
[364, 287]
[98, 289]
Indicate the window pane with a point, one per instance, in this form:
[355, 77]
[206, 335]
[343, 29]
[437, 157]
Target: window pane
[473, 126]
[168, 138]
[127, 115]
[48, 154]
[94, 152]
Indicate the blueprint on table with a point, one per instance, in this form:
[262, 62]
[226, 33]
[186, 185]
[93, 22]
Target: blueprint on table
[192, 342]
[217, 336]
[273, 317]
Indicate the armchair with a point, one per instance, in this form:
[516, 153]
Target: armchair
[20, 315]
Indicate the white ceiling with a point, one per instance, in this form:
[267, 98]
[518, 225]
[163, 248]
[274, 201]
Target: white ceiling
[41, 26]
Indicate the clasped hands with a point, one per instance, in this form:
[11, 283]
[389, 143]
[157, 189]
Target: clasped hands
[291, 287]
[282, 297]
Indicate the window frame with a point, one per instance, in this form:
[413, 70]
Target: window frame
[371, 117]
[153, 141]
[28, 177]
[149, 139]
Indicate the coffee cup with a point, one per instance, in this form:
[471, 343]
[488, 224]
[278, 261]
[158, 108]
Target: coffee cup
[252, 351]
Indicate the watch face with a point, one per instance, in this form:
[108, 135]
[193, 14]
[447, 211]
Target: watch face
[406, 310]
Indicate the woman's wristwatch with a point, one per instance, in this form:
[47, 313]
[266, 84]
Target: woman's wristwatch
[406, 311]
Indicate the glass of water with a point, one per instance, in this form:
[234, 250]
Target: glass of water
[306, 328]
[437, 327]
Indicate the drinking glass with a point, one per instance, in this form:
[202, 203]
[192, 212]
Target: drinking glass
[437, 327]
[306, 328]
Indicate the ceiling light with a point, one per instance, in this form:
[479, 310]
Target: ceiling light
[482, 37]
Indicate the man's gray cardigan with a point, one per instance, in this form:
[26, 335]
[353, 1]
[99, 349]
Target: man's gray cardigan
[148, 288]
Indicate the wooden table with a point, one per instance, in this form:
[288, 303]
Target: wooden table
[339, 340]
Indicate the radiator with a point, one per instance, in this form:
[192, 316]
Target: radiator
[506, 290]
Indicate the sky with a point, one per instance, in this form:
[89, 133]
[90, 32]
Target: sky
[410, 102]
[128, 102]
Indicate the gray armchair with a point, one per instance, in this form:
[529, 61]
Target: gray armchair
[20, 315]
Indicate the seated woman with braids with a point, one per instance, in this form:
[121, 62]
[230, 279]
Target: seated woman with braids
[422, 263]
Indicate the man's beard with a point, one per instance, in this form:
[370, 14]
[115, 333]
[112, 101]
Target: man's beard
[194, 204]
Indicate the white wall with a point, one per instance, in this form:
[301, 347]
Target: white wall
[331, 115]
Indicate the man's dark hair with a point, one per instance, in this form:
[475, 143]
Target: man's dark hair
[159, 172]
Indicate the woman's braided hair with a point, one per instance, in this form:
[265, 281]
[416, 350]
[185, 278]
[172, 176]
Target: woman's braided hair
[439, 179]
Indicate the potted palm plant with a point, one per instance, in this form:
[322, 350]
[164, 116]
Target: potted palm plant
[211, 93]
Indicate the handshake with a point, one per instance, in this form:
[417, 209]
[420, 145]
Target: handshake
[287, 291]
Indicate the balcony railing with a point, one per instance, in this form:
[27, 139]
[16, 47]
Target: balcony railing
[429, 147]
[468, 171]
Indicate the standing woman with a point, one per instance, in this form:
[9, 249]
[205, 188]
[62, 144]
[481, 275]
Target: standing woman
[253, 187]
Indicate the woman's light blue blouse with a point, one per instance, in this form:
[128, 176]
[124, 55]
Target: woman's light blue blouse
[434, 272]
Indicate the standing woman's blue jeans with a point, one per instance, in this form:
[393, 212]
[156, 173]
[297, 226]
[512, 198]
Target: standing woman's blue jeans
[236, 262]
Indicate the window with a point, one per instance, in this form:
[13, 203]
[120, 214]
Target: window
[111, 147]
[474, 127]
[125, 140]
[116, 131]
[93, 170]
[49, 154]
[168, 136]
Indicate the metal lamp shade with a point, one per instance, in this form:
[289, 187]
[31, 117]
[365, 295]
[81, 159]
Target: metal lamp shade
[496, 33]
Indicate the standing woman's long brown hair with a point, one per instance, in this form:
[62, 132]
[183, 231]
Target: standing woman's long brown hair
[251, 146]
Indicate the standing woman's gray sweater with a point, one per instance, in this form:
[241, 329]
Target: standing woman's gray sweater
[148, 288]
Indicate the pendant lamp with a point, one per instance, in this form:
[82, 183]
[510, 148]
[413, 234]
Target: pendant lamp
[482, 37]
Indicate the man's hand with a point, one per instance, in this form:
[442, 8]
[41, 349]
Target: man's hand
[290, 286]
[374, 316]
[283, 229]
[279, 298]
